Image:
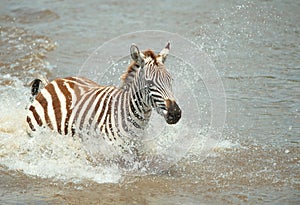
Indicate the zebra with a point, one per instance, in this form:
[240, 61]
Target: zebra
[76, 104]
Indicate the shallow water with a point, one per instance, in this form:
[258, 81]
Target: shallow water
[236, 71]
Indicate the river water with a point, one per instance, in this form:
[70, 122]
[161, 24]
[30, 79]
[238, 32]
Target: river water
[236, 69]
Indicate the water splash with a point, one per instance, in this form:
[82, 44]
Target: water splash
[45, 154]
[49, 155]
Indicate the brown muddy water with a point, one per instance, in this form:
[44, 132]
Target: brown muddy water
[236, 69]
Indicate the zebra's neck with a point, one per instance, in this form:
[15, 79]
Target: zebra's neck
[139, 111]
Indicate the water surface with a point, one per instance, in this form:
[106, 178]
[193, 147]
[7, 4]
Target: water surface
[254, 47]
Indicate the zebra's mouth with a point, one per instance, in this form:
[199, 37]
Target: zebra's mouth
[173, 118]
[173, 113]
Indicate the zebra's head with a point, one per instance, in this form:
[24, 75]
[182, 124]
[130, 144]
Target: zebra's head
[157, 82]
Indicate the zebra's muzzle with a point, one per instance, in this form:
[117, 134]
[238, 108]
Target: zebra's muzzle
[173, 113]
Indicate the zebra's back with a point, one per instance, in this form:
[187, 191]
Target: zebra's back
[67, 105]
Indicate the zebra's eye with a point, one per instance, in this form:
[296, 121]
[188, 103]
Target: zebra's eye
[150, 84]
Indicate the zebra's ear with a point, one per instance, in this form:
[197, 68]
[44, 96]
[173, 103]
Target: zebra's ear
[162, 56]
[136, 55]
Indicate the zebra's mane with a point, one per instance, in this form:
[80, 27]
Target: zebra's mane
[128, 76]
